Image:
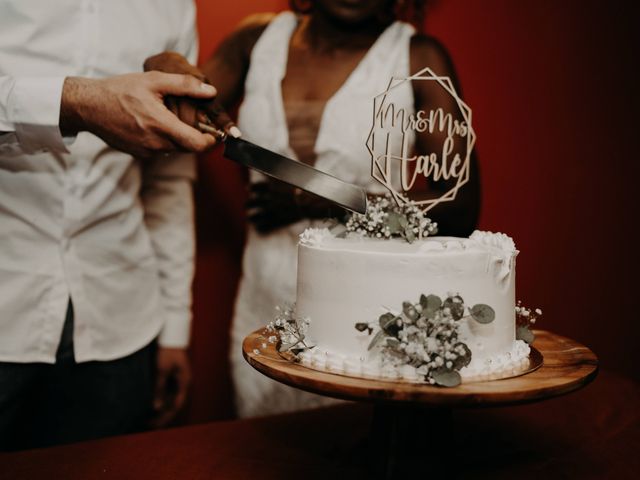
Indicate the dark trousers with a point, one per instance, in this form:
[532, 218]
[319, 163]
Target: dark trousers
[42, 405]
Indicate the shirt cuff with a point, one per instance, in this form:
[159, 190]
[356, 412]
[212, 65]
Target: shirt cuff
[35, 111]
[175, 332]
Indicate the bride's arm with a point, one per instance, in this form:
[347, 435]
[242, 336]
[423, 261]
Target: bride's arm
[226, 69]
[456, 217]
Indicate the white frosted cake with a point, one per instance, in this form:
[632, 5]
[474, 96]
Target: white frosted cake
[346, 281]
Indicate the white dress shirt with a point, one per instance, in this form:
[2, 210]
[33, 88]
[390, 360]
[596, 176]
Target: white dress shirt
[79, 219]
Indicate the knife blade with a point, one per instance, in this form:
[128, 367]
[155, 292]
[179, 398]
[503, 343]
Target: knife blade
[290, 171]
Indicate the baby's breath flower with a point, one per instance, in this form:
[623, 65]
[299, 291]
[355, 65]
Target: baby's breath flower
[525, 319]
[385, 218]
[287, 331]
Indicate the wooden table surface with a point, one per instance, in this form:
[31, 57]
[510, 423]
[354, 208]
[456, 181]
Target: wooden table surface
[592, 433]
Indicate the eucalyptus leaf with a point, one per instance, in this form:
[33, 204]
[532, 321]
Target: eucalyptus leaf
[525, 334]
[392, 328]
[409, 235]
[416, 363]
[361, 326]
[424, 301]
[285, 347]
[396, 354]
[482, 313]
[393, 222]
[393, 342]
[389, 324]
[385, 319]
[430, 302]
[410, 311]
[339, 230]
[376, 339]
[446, 378]
[462, 360]
[456, 306]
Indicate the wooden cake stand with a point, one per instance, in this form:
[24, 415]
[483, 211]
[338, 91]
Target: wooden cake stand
[414, 419]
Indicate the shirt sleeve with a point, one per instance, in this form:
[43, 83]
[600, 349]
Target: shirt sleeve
[187, 40]
[167, 197]
[30, 114]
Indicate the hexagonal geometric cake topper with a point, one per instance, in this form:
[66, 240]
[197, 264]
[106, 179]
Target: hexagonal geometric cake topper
[393, 129]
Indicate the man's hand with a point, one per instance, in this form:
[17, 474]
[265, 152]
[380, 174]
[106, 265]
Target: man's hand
[128, 112]
[189, 110]
[172, 384]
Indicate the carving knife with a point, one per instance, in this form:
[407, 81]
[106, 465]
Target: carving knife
[290, 171]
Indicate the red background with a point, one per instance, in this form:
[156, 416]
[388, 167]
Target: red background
[553, 87]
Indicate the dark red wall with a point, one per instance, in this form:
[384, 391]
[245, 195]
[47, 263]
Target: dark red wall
[554, 93]
[554, 96]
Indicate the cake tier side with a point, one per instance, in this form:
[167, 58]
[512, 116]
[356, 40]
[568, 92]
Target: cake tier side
[345, 281]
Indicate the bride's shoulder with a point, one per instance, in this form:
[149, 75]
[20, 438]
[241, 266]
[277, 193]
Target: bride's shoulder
[428, 51]
[245, 35]
[256, 21]
[253, 25]
[240, 42]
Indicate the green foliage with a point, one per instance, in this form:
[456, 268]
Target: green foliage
[430, 305]
[455, 305]
[393, 342]
[482, 313]
[524, 333]
[386, 219]
[425, 336]
[379, 336]
[361, 327]
[410, 311]
[287, 332]
[446, 378]
[386, 319]
[396, 223]
[525, 320]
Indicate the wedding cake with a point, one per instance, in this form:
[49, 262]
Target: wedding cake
[348, 282]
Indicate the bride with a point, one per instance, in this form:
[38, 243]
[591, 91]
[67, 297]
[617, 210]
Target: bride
[307, 79]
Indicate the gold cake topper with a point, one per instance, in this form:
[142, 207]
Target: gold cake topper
[389, 142]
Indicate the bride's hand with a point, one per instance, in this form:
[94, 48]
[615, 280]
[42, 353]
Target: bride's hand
[273, 205]
[172, 62]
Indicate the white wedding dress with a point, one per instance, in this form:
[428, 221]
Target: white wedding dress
[270, 260]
